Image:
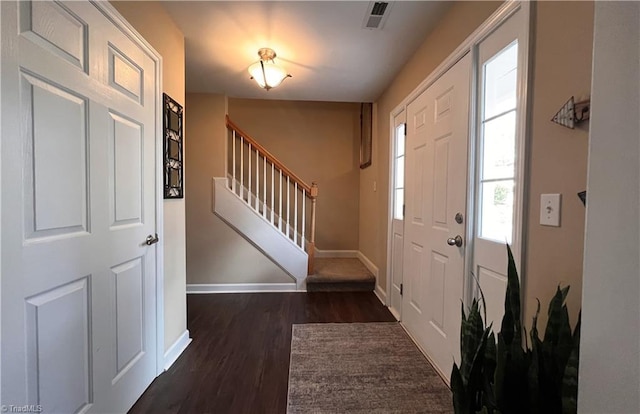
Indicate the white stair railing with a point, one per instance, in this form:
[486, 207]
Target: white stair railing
[272, 190]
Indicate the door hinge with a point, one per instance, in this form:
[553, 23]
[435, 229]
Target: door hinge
[401, 286]
[405, 129]
[403, 210]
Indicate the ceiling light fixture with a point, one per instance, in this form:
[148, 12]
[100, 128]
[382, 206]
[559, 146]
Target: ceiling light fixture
[265, 72]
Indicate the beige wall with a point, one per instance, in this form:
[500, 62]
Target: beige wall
[216, 253]
[562, 67]
[371, 211]
[318, 141]
[151, 20]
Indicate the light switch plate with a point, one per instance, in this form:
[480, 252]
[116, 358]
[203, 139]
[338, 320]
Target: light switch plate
[550, 205]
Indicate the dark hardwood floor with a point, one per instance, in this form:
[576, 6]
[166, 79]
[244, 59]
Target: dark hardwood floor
[238, 361]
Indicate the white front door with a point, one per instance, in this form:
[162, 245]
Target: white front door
[436, 182]
[397, 218]
[79, 102]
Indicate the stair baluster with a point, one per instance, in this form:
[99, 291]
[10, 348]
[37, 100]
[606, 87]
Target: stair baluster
[297, 230]
[273, 192]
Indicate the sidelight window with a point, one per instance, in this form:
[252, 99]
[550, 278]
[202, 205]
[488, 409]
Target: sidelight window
[497, 172]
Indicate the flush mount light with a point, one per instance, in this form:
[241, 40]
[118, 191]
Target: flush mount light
[265, 72]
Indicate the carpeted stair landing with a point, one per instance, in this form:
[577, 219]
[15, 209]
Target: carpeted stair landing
[340, 275]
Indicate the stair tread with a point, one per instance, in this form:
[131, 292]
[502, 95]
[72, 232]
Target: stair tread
[340, 270]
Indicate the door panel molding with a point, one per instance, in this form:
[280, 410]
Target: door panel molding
[55, 284]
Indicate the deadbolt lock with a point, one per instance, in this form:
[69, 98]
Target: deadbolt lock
[459, 218]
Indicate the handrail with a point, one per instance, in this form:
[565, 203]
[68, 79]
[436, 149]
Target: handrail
[272, 159]
[291, 179]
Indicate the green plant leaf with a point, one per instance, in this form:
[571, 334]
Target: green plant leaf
[534, 364]
[557, 346]
[471, 338]
[501, 363]
[511, 327]
[460, 401]
[513, 296]
[488, 373]
[475, 383]
[551, 335]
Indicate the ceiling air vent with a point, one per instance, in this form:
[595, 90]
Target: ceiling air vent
[377, 14]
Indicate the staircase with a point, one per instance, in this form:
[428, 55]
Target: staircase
[275, 210]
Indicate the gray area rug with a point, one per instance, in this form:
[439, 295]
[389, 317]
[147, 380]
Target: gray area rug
[361, 368]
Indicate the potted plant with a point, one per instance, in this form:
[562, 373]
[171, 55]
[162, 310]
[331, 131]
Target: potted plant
[508, 373]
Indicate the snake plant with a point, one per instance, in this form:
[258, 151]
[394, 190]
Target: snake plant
[507, 374]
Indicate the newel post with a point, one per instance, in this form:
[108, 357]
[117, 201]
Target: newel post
[311, 246]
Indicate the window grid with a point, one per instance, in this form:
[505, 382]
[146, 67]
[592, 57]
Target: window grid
[497, 161]
[398, 164]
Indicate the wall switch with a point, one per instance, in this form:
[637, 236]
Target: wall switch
[550, 209]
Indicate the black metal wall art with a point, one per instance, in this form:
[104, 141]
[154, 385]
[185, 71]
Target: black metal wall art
[173, 148]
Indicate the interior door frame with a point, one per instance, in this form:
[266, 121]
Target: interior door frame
[118, 20]
[470, 45]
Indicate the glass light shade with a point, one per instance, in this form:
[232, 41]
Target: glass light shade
[267, 74]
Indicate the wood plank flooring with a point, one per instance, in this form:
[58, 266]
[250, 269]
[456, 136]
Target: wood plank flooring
[238, 361]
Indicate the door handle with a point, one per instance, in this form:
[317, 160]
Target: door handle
[455, 241]
[152, 240]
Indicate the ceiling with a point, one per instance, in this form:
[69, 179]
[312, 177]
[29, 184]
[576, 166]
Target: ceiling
[322, 44]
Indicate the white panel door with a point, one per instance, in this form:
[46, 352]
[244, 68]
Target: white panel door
[397, 214]
[437, 138]
[79, 132]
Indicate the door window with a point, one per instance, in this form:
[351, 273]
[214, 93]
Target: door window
[498, 145]
[398, 165]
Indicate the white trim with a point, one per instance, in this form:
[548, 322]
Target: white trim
[393, 124]
[523, 173]
[469, 284]
[521, 177]
[241, 288]
[1, 210]
[256, 229]
[378, 291]
[175, 350]
[336, 253]
[390, 196]
[369, 265]
[115, 16]
[380, 294]
[394, 313]
[443, 376]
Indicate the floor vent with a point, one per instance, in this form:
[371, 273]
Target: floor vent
[377, 14]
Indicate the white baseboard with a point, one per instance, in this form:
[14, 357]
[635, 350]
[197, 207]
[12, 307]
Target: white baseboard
[241, 288]
[336, 253]
[176, 349]
[443, 375]
[394, 313]
[381, 294]
[369, 264]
